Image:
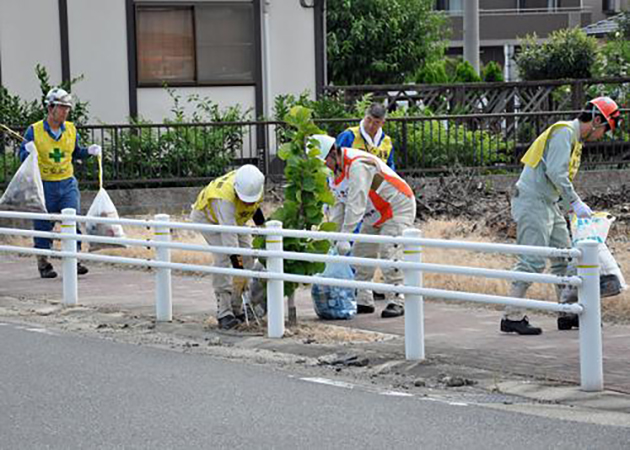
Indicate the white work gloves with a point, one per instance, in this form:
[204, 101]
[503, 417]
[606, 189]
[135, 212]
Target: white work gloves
[343, 247]
[581, 209]
[95, 150]
[30, 147]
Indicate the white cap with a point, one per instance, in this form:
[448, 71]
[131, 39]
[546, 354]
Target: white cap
[325, 144]
[58, 96]
[249, 183]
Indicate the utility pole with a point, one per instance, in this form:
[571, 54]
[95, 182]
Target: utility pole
[471, 33]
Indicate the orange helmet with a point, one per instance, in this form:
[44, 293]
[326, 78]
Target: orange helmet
[609, 109]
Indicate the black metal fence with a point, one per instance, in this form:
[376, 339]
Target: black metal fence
[191, 154]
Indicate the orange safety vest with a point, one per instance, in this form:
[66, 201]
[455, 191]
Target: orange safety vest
[380, 204]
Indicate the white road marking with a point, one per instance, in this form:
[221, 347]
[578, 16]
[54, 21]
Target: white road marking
[341, 384]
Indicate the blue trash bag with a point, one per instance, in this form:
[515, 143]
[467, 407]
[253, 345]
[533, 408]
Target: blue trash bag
[332, 302]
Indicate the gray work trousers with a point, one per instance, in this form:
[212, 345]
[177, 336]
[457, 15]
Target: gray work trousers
[227, 303]
[538, 222]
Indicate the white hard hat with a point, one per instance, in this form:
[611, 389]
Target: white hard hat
[249, 183]
[58, 96]
[325, 144]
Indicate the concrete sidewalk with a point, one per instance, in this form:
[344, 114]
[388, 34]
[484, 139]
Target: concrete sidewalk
[463, 335]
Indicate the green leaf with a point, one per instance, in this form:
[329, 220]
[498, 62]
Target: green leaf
[328, 226]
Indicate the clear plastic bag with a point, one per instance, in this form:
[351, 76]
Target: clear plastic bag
[332, 302]
[102, 206]
[26, 190]
[596, 229]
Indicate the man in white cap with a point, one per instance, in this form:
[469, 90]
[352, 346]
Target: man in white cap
[232, 199]
[374, 193]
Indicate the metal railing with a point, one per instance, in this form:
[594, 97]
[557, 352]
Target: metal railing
[193, 154]
[587, 279]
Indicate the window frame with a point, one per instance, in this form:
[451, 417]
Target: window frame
[196, 83]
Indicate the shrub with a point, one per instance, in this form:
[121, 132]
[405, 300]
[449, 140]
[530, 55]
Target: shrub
[465, 73]
[569, 53]
[492, 72]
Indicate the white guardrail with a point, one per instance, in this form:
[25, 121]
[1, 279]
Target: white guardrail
[587, 279]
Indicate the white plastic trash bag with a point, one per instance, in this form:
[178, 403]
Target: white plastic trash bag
[596, 228]
[102, 206]
[26, 190]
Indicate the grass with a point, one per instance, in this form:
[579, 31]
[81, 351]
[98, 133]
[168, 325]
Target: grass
[614, 309]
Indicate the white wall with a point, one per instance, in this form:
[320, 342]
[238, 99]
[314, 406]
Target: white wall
[292, 39]
[155, 104]
[97, 32]
[29, 34]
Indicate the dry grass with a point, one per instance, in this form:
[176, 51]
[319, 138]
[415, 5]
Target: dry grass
[616, 309]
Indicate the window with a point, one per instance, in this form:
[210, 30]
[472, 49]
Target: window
[203, 44]
[452, 6]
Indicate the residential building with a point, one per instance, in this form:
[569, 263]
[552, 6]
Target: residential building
[502, 23]
[233, 51]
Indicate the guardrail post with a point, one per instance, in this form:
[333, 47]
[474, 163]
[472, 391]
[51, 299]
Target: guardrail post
[414, 304]
[275, 288]
[163, 291]
[69, 265]
[591, 365]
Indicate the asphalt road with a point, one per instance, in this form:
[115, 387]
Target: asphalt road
[66, 391]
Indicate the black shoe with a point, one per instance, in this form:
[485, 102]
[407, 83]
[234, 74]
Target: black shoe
[393, 310]
[228, 322]
[365, 309]
[568, 321]
[378, 296]
[81, 269]
[519, 326]
[47, 271]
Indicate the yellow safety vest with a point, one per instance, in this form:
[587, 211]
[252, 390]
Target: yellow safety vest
[535, 152]
[55, 157]
[382, 151]
[223, 189]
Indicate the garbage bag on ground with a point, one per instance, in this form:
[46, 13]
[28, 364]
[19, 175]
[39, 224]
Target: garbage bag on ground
[26, 190]
[596, 228]
[332, 302]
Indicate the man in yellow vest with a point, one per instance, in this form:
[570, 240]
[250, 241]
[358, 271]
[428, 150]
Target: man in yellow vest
[546, 181]
[232, 200]
[385, 204]
[56, 142]
[369, 136]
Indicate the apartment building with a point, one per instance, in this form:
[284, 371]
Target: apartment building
[502, 23]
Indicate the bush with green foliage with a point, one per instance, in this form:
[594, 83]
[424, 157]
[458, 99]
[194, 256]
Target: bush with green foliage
[568, 54]
[305, 193]
[381, 41]
[492, 72]
[178, 150]
[18, 113]
[465, 73]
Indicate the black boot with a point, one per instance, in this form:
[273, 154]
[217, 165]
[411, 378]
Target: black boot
[393, 310]
[568, 321]
[228, 322]
[81, 269]
[519, 326]
[46, 269]
[365, 309]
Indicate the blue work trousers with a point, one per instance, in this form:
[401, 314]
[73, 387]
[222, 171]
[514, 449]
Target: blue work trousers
[59, 195]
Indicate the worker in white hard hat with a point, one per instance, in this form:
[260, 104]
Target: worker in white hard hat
[375, 194]
[56, 142]
[232, 199]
